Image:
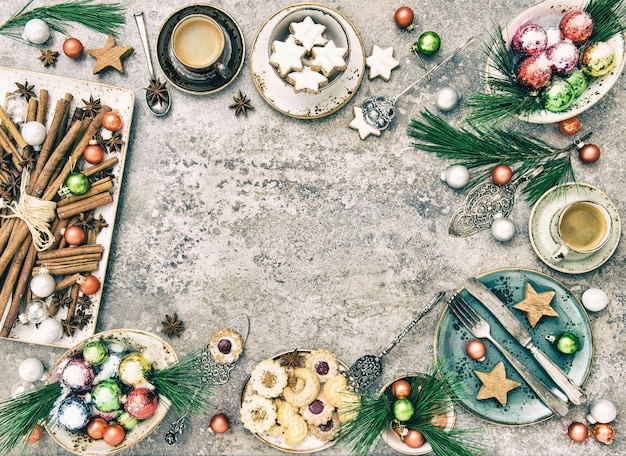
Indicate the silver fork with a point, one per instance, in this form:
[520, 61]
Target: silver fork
[476, 325]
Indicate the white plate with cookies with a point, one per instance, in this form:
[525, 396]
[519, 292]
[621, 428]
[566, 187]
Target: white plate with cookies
[307, 60]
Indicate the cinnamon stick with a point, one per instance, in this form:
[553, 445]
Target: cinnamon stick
[43, 105]
[99, 186]
[21, 288]
[70, 259]
[108, 163]
[12, 128]
[7, 145]
[70, 251]
[72, 307]
[9, 284]
[31, 113]
[68, 98]
[67, 281]
[88, 204]
[88, 266]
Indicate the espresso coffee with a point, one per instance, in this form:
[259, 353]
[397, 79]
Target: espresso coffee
[197, 42]
[583, 227]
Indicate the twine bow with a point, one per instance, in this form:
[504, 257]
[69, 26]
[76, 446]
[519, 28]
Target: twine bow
[35, 212]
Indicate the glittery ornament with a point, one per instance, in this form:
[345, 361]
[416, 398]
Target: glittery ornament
[36, 31]
[106, 396]
[77, 375]
[95, 352]
[595, 299]
[502, 229]
[597, 59]
[529, 39]
[74, 413]
[601, 411]
[557, 96]
[563, 57]
[533, 72]
[578, 81]
[133, 369]
[576, 26]
[447, 99]
[141, 403]
[456, 176]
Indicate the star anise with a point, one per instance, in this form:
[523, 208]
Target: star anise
[92, 106]
[84, 301]
[69, 326]
[12, 185]
[99, 224]
[81, 319]
[5, 160]
[99, 140]
[157, 92]
[172, 326]
[115, 143]
[48, 57]
[292, 359]
[103, 174]
[85, 221]
[30, 160]
[25, 90]
[241, 105]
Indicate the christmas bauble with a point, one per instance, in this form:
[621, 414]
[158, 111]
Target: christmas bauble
[603, 433]
[112, 121]
[95, 352]
[447, 99]
[502, 229]
[533, 72]
[529, 39]
[595, 299]
[36, 31]
[74, 413]
[31, 370]
[107, 395]
[95, 428]
[43, 284]
[141, 403]
[566, 342]
[127, 421]
[601, 411]
[93, 154]
[77, 375]
[89, 285]
[72, 48]
[578, 81]
[219, 423]
[578, 431]
[50, 330]
[36, 434]
[563, 57]
[403, 409]
[476, 350]
[21, 387]
[456, 176]
[36, 312]
[34, 133]
[589, 153]
[77, 183]
[570, 126]
[114, 434]
[414, 438]
[133, 369]
[74, 235]
[557, 96]
[597, 59]
[404, 18]
[428, 43]
[400, 388]
[576, 26]
[501, 174]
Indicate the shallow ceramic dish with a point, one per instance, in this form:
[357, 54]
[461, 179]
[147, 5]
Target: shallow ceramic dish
[311, 444]
[157, 351]
[523, 406]
[391, 439]
[548, 14]
[542, 218]
[201, 83]
[120, 100]
[279, 93]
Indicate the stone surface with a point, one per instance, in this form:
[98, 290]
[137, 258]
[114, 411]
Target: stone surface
[322, 239]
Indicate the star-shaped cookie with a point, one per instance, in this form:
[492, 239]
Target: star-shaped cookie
[381, 62]
[287, 56]
[359, 123]
[110, 55]
[306, 80]
[495, 384]
[308, 33]
[329, 58]
[536, 305]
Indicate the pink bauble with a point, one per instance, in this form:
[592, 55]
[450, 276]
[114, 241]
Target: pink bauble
[529, 39]
[141, 403]
[563, 57]
[576, 26]
[533, 72]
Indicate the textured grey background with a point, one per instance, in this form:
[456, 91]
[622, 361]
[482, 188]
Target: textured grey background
[322, 239]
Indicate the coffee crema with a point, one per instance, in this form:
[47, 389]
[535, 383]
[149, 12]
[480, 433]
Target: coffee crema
[583, 227]
[198, 41]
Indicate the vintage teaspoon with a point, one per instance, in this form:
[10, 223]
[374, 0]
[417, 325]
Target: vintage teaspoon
[368, 368]
[158, 102]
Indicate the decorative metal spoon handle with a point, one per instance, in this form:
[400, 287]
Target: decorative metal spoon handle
[419, 316]
[141, 25]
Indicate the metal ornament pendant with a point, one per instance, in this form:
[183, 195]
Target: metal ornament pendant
[211, 373]
[486, 203]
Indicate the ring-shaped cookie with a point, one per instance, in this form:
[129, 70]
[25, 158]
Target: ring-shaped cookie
[306, 390]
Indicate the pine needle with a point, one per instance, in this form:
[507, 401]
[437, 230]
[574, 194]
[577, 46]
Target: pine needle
[609, 18]
[103, 18]
[20, 414]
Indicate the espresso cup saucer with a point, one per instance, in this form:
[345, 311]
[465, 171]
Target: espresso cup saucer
[542, 217]
[201, 82]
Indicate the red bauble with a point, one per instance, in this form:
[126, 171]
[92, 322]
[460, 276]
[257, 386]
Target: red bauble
[93, 154]
[570, 126]
[400, 388]
[96, 427]
[141, 403]
[112, 121]
[414, 439]
[74, 235]
[36, 435]
[576, 26]
[589, 153]
[533, 72]
[90, 285]
[219, 423]
[476, 349]
[114, 434]
[578, 431]
[73, 48]
[603, 433]
[501, 174]
[404, 17]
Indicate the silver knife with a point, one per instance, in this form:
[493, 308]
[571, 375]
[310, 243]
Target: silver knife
[521, 334]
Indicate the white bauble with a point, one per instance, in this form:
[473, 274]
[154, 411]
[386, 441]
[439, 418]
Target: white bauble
[595, 299]
[601, 411]
[34, 133]
[31, 370]
[456, 176]
[447, 99]
[502, 229]
[50, 330]
[36, 31]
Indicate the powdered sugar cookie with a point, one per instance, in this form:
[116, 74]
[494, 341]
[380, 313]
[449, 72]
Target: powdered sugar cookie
[381, 62]
[306, 80]
[308, 33]
[287, 56]
[329, 58]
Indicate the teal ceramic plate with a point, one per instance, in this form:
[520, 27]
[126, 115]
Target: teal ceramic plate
[523, 407]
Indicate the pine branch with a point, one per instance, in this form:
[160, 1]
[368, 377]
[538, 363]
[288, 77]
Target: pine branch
[609, 18]
[103, 18]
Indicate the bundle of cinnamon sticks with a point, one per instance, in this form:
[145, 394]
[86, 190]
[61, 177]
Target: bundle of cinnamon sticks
[67, 136]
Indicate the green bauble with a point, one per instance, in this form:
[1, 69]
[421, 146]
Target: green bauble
[578, 81]
[428, 43]
[597, 59]
[77, 183]
[107, 395]
[557, 96]
[127, 421]
[403, 409]
[95, 352]
[566, 342]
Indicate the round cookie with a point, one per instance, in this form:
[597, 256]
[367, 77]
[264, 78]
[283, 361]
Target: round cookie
[306, 389]
[226, 346]
[258, 414]
[326, 431]
[323, 362]
[268, 378]
[317, 412]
